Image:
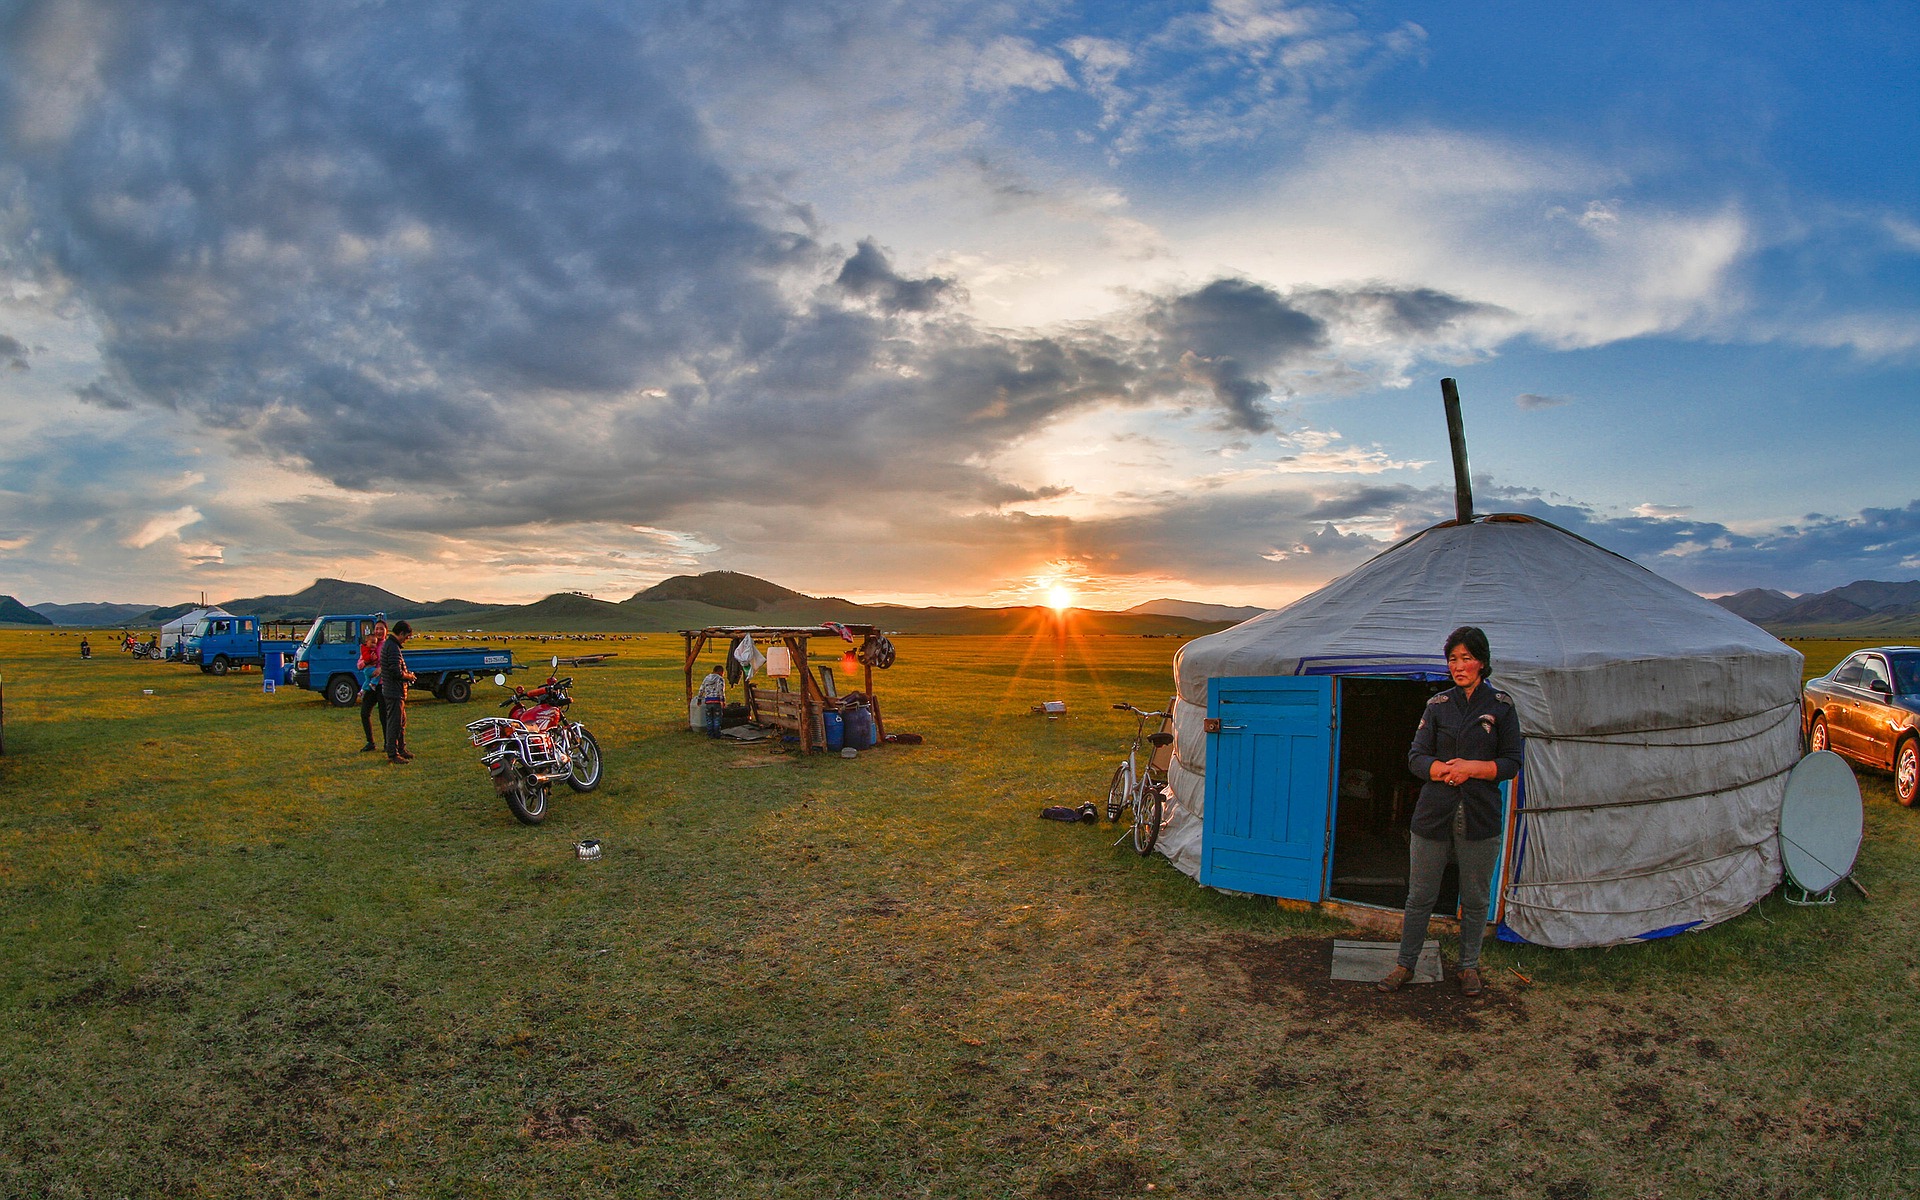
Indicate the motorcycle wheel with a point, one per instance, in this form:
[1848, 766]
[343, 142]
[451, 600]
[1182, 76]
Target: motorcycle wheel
[585, 775]
[528, 800]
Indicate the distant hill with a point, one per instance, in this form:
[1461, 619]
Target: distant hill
[92, 615]
[341, 596]
[12, 612]
[721, 589]
[1865, 608]
[1757, 604]
[160, 616]
[1193, 610]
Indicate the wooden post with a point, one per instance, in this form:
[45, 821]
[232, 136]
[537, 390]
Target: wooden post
[797, 648]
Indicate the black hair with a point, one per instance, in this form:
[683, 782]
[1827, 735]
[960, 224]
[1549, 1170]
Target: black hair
[1474, 640]
[405, 630]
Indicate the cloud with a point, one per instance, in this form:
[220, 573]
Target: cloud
[869, 275]
[1230, 335]
[1537, 400]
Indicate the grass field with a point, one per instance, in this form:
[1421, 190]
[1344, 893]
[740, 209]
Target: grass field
[241, 958]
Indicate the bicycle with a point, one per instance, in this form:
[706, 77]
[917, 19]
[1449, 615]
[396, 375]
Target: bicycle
[1142, 786]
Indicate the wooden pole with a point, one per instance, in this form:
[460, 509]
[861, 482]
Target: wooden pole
[797, 648]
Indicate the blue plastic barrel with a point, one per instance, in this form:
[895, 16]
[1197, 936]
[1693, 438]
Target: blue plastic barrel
[836, 729]
[859, 732]
[273, 669]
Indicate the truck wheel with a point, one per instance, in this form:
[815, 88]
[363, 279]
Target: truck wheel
[459, 690]
[341, 690]
[218, 666]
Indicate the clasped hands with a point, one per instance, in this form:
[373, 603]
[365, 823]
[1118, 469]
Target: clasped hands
[1456, 771]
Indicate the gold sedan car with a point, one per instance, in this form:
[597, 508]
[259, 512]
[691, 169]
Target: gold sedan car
[1867, 709]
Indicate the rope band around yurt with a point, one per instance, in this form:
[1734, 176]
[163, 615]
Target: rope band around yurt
[1611, 739]
[1718, 791]
[1515, 902]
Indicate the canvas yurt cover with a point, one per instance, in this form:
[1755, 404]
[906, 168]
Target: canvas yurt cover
[1660, 727]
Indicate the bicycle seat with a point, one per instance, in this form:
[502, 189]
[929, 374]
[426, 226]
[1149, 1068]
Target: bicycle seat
[1159, 739]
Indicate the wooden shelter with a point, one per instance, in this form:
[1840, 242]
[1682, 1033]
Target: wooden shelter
[785, 705]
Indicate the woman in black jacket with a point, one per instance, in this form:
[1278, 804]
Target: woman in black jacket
[1468, 741]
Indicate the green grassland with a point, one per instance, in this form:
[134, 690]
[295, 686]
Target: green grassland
[243, 959]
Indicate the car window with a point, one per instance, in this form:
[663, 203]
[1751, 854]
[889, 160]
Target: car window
[1874, 670]
[1850, 671]
[338, 633]
[1906, 676]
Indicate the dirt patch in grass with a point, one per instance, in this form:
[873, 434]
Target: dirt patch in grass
[1297, 973]
[1106, 1177]
[565, 1122]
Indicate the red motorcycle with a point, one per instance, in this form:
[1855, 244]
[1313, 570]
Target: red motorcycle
[534, 746]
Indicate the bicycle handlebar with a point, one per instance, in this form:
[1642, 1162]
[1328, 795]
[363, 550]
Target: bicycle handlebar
[1143, 712]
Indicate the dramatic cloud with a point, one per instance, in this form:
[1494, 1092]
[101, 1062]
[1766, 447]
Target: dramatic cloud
[562, 293]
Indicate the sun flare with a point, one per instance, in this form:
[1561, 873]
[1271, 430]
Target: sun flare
[1060, 599]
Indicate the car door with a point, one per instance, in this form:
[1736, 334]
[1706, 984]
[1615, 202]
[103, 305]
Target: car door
[1875, 716]
[1843, 706]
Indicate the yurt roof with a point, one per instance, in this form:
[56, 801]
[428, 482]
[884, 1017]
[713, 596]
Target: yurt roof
[1548, 600]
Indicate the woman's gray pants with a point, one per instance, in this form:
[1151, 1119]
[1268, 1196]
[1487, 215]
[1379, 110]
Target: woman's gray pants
[1427, 862]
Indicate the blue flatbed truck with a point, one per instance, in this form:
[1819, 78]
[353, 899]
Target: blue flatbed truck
[223, 642]
[328, 659]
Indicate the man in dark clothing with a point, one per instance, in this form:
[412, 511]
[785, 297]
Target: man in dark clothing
[1468, 741]
[394, 678]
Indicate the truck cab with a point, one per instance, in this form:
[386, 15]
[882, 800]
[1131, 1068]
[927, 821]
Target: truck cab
[222, 642]
[327, 662]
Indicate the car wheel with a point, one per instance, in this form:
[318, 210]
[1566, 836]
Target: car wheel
[458, 690]
[219, 665]
[1817, 736]
[1906, 772]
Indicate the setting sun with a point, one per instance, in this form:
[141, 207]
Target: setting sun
[1059, 598]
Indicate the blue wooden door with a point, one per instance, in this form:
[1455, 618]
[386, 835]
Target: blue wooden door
[1269, 785]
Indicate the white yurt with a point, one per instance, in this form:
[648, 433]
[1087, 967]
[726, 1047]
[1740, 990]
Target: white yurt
[1660, 730]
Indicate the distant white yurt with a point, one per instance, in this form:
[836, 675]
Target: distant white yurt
[181, 626]
[1660, 730]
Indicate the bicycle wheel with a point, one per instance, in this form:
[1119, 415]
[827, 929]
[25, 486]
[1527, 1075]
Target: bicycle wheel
[1149, 809]
[1119, 791]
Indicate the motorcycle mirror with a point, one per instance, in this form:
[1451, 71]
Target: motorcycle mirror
[556, 662]
[499, 681]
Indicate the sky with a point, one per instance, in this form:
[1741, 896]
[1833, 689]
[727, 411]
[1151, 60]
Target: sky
[947, 302]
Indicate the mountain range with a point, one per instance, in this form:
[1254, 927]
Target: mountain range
[1865, 608]
[682, 602]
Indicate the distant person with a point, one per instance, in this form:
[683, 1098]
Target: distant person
[1468, 741]
[86, 650]
[394, 678]
[713, 698]
[370, 694]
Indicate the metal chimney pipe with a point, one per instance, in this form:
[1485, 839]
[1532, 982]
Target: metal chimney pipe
[1457, 437]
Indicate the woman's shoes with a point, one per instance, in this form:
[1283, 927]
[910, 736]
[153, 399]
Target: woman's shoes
[1470, 982]
[1395, 980]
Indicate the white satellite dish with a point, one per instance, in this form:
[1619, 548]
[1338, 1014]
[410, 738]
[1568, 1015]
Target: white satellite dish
[1821, 821]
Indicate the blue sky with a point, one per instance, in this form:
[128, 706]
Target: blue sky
[947, 302]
